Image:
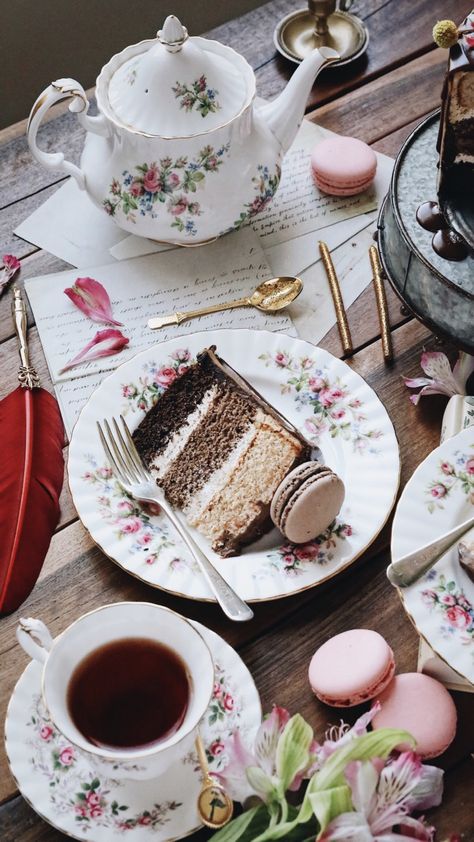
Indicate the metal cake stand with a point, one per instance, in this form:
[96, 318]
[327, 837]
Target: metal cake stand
[439, 292]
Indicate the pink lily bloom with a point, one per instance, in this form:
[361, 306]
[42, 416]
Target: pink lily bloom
[11, 265]
[383, 795]
[104, 343]
[93, 299]
[441, 380]
[233, 777]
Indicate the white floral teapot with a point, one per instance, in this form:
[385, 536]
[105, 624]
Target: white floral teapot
[179, 152]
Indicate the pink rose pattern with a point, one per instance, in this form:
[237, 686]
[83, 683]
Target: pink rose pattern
[72, 787]
[447, 598]
[293, 559]
[456, 474]
[168, 183]
[156, 379]
[129, 520]
[333, 409]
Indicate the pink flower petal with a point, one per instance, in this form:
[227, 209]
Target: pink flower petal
[416, 382]
[267, 738]
[109, 342]
[436, 365]
[11, 265]
[233, 777]
[92, 298]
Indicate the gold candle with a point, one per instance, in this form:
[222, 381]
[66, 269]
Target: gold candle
[382, 307]
[341, 315]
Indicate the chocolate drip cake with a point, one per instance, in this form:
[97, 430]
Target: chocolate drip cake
[456, 136]
[219, 452]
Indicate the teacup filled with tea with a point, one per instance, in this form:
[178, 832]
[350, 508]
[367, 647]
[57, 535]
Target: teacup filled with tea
[128, 683]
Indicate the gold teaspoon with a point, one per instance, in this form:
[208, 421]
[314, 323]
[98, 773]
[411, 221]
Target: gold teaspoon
[215, 807]
[270, 296]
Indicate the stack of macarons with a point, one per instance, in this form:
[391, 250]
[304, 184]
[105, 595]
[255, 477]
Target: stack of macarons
[358, 666]
[307, 501]
[343, 166]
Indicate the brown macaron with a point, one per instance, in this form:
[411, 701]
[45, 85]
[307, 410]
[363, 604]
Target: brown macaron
[307, 501]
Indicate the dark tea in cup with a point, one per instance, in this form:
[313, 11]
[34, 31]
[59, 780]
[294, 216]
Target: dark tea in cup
[130, 693]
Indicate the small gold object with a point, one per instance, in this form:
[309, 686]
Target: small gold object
[341, 315]
[214, 805]
[382, 307]
[271, 296]
[322, 24]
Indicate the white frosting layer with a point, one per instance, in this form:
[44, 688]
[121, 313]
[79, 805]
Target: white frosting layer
[180, 437]
[216, 482]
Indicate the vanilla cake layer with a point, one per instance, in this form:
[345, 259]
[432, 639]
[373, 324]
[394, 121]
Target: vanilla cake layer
[218, 454]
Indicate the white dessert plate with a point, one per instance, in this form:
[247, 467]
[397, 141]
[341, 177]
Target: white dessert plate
[332, 406]
[58, 781]
[440, 495]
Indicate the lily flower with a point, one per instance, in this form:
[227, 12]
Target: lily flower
[234, 777]
[93, 299]
[11, 264]
[383, 799]
[104, 343]
[441, 380]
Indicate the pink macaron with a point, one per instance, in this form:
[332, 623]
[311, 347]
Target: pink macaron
[343, 166]
[422, 706]
[351, 668]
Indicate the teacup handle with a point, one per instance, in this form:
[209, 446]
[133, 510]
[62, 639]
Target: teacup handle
[35, 638]
[61, 89]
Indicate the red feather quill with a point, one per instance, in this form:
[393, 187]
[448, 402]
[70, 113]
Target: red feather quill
[31, 477]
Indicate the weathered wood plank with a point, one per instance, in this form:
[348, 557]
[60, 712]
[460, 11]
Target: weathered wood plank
[389, 103]
[38, 263]
[10, 218]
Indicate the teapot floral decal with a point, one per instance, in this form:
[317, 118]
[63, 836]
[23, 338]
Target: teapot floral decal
[199, 95]
[168, 182]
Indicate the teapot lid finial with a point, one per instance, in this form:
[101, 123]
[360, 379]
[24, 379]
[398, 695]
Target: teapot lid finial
[173, 35]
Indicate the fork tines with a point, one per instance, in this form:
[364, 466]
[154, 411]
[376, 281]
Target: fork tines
[121, 452]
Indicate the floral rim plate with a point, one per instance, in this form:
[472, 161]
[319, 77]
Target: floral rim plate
[439, 495]
[332, 405]
[59, 783]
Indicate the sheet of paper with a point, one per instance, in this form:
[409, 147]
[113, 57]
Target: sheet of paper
[313, 312]
[154, 285]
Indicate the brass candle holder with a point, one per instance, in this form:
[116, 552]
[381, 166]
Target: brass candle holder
[325, 23]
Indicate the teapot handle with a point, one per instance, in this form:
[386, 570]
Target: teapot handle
[61, 89]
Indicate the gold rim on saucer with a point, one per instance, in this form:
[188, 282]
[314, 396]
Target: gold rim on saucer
[295, 38]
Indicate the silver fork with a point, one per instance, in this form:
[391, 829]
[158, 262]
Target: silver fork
[137, 481]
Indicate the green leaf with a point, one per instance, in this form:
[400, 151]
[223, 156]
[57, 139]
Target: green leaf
[330, 803]
[375, 744]
[246, 827]
[95, 783]
[198, 176]
[292, 755]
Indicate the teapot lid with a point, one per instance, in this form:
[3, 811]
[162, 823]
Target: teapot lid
[175, 85]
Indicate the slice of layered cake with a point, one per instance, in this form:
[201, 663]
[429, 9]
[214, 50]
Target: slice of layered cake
[456, 135]
[219, 452]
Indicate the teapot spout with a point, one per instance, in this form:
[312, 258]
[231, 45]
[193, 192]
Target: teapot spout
[284, 114]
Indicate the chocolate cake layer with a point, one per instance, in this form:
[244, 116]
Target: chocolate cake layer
[219, 451]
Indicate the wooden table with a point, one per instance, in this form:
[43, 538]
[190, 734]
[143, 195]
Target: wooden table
[380, 100]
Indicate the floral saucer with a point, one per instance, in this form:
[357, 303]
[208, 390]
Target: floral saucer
[60, 784]
[331, 404]
[439, 496]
